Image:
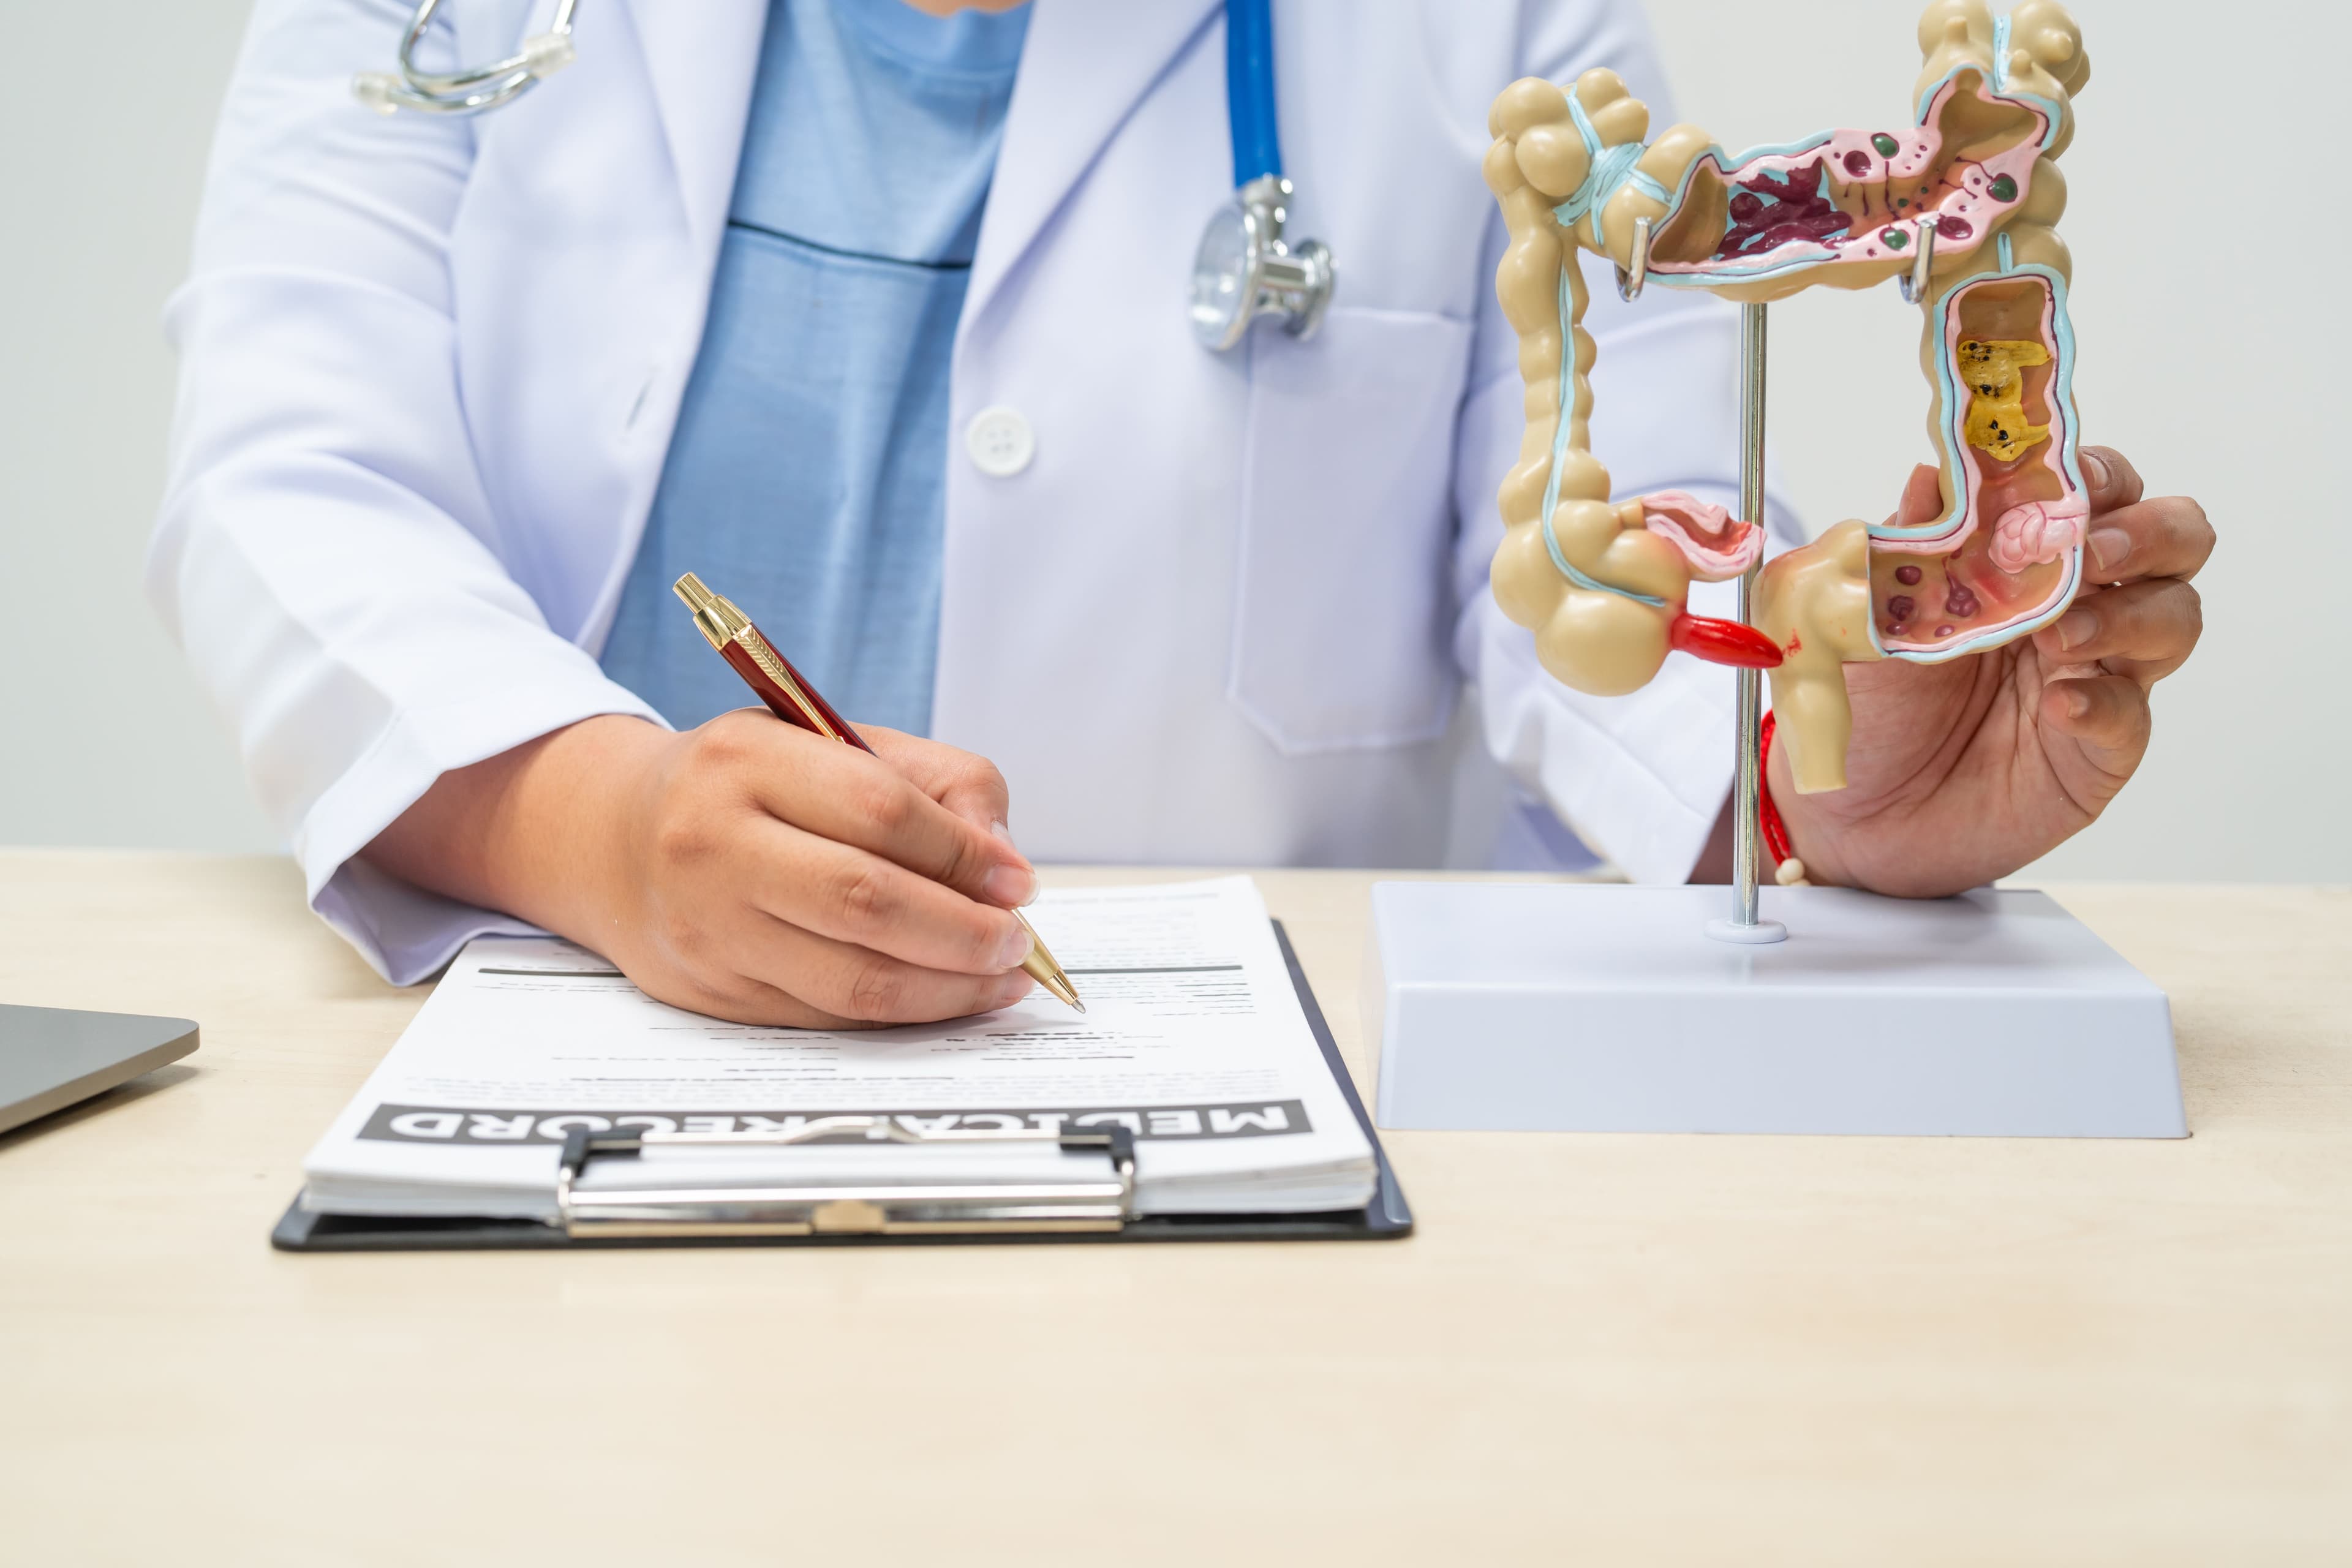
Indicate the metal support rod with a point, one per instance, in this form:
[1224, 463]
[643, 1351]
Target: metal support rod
[1748, 780]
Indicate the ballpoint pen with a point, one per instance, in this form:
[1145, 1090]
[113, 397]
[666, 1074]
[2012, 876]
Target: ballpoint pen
[791, 697]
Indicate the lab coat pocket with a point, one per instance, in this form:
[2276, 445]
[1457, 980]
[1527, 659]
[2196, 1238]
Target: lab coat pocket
[1342, 620]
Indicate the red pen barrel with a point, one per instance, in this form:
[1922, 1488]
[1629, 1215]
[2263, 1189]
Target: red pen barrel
[790, 698]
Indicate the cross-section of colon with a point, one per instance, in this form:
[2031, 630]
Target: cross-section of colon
[2006, 554]
[1961, 203]
[1838, 209]
[1847, 207]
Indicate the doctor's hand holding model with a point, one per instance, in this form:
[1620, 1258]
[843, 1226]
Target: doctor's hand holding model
[873, 312]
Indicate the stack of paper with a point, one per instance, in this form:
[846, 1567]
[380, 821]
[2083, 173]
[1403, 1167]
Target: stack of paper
[1193, 1036]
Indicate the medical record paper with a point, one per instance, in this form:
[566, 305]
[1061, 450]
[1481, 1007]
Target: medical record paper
[1194, 1037]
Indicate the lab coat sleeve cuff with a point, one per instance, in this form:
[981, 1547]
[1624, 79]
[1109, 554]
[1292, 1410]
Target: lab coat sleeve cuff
[407, 934]
[1641, 780]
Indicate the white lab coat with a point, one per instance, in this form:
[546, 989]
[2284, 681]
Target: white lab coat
[431, 368]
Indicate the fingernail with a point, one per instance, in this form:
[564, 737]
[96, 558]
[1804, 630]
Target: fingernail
[1011, 989]
[1015, 948]
[2076, 627]
[2096, 469]
[2077, 704]
[2108, 548]
[1011, 886]
[1000, 830]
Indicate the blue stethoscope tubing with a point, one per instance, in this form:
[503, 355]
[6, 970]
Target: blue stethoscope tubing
[1249, 90]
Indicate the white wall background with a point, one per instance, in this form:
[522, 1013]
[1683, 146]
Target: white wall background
[2206, 357]
[104, 738]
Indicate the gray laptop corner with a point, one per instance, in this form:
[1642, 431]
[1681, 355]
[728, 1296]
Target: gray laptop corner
[51, 1057]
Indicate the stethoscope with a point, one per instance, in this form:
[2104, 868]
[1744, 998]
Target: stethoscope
[537, 57]
[1244, 272]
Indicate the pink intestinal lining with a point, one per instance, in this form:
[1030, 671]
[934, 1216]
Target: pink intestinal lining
[1962, 220]
[1717, 545]
[2031, 532]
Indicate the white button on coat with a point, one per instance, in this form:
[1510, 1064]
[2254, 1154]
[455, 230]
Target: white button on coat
[1000, 441]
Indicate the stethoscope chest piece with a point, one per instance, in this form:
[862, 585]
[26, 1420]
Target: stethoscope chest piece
[1244, 270]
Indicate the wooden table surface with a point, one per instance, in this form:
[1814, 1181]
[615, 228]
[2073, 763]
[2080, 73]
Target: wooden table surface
[1603, 1349]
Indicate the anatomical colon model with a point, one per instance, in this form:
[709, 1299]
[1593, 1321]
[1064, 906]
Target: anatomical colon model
[1603, 586]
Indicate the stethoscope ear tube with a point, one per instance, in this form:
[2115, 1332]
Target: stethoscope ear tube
[474, 88]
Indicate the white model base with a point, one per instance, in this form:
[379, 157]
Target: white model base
[1608, 1009]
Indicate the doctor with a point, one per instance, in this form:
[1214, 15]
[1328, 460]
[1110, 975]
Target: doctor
[872, 312]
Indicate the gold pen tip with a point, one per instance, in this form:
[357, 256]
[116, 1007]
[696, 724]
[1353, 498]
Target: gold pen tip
[1055, 986]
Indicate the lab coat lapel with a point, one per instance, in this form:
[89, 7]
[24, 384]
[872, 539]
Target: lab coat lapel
[702, 56]
[1083, 68]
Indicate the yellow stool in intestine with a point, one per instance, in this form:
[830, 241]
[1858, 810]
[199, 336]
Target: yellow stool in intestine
[1963, 202]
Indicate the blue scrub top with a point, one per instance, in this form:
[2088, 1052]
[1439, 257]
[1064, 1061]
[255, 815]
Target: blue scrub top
[806, 478]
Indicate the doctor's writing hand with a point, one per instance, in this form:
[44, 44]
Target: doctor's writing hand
[746, 870]
[1963, 771]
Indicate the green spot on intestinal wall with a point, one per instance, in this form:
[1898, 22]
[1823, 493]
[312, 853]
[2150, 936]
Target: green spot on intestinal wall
[1887, 146]
[2004, 189]
[1893, 239]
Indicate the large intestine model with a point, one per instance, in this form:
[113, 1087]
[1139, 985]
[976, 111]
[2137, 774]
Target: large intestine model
[1972, 182]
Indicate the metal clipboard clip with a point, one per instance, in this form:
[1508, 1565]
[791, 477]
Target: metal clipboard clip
[833, 1208]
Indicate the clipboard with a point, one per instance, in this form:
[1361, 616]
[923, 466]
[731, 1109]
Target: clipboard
[1088, 1211]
